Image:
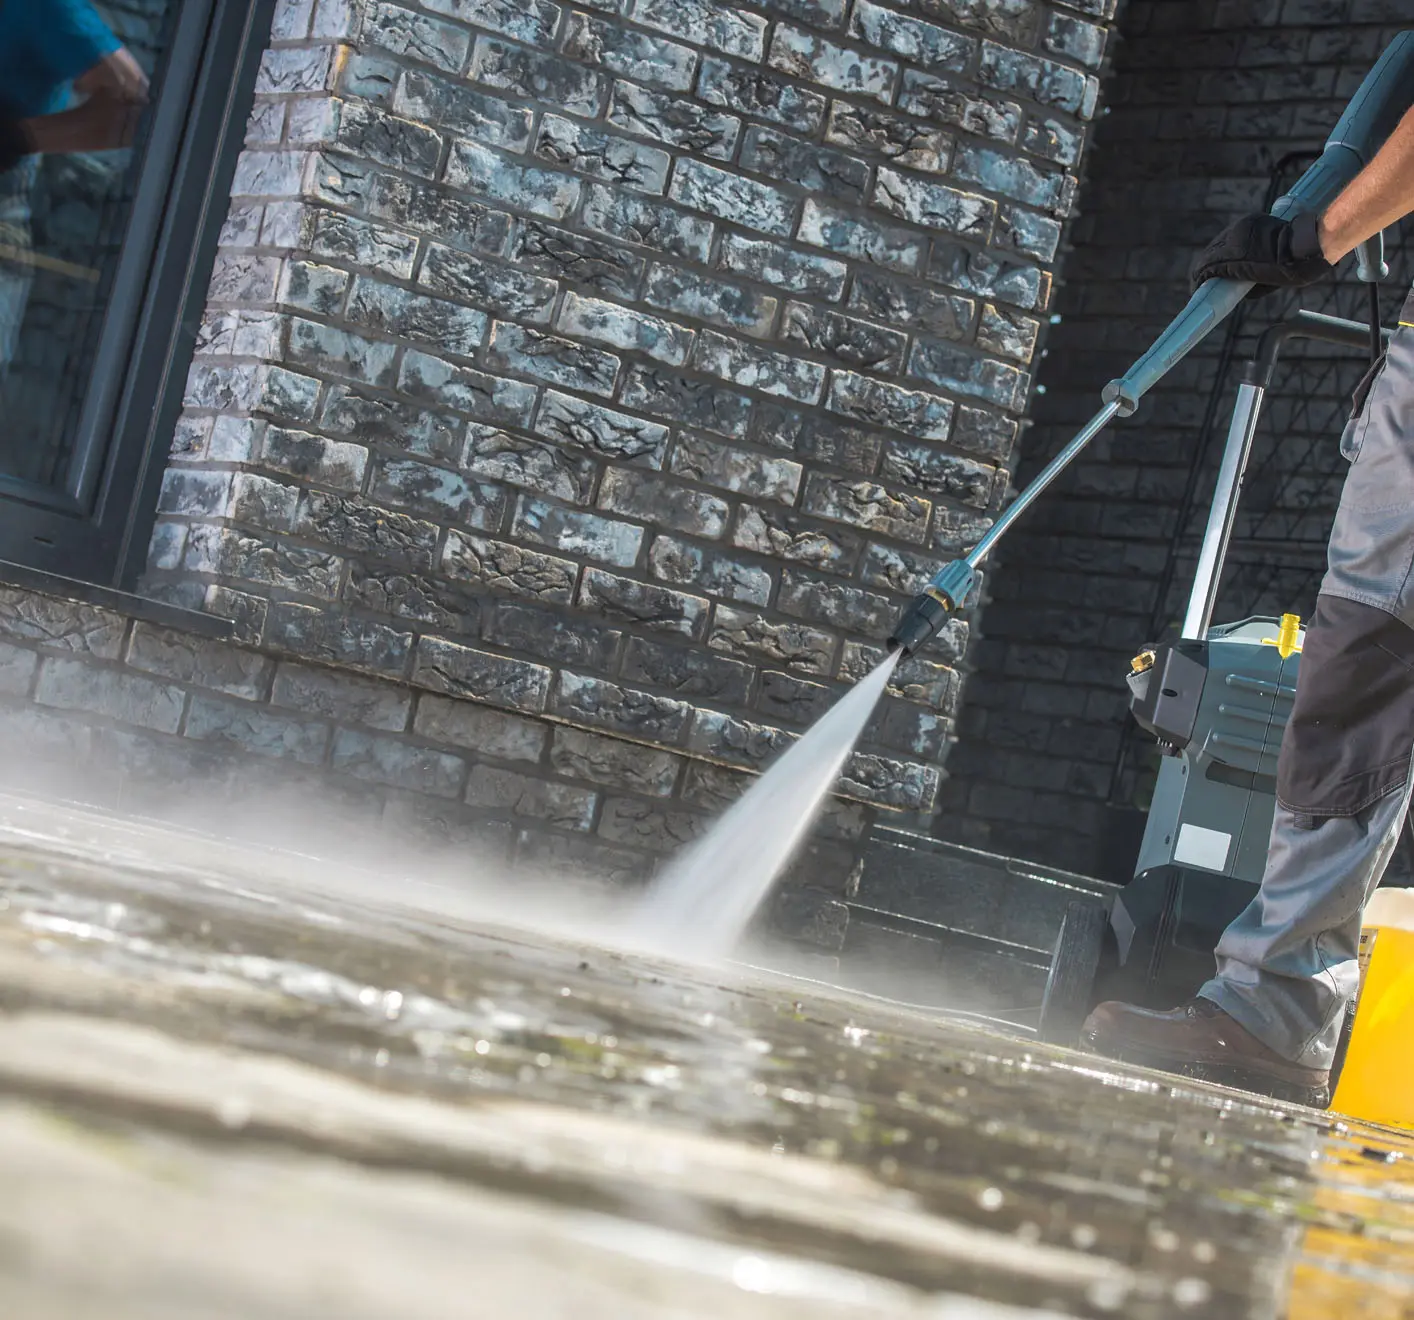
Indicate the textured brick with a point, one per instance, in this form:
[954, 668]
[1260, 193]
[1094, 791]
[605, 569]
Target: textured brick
[644, 825]
[990, 275]
[888, 783]
[578, 260]
[814, 169]
[420, 597]
[686, 293]
[256, 729]
[648, 224]
[602, 155]
[488, 732]
[737, 470]
[329, 694]
[904, 141]
[452, 219]
[561, 805]
[314, 288]
[821, 439]
[463, 671]
[660, 502]
[892, 569]
[805, 55]
[910, 38]
[386, 139]
[488, 284]
[531, 21]
[72, 684]
[953, 369]
[601, 431]
[844, 338]
[751, 367]
[632, 54]
[835, 604]
[551, 636]
[624, 328]
[340, 352]
[462, 110]
[770, 263]
[614, 762]
[687, 565]
[879, 403]
[189, 659]
[387, 309]
[686, 671]
[580, 534]
[345, 238]
[731, 31]
[655, 608]
[867, 505]
[727, 196]
[781, 535]
[416, 36]
[1045, 81]
[500, 566]
[596, 702]
[542, 468]
[480, 171]
[934, 205]
[551, 359]
[750, 92]
[354, 525]
[384, 760]
[942, 101]
[393, 423]
[1011, 176]
[927, 468]
[316, 634]
[791, 700]
[674, 120]
[901, 303]
[438, 493]
[738, 742]
[751, 637]
[1007, 333]
[859, 238]
[678, 398]
[1027, 232]
[266, 560]
[528, 73]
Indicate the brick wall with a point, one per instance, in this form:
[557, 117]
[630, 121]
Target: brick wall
[1205, 99]
[626, 369]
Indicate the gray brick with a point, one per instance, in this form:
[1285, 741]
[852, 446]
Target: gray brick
[942, 101]
[527, 73]
[476, 169]
[463, 671]
[934, 205]
[675, 121]
[731, 31]
[542, 468]
[1018, 20]
[316, 634]
[333, 695]
[602, 155]
[904, 141]
[643, 825]
[835, 604]
[925, 467]
[393, 423]
[867, 505]
[488, 732]
[751, 367]
[266, 560]
[314, 288]
[194, 494]
[561, 805]
[989, 275]
[1052, 140]
[602, 704]
[418, 37]
[861, 239]
[910, 38]
[72, 684]
[738, 742]
[663, 503]
[487, 283]
[370, 134]
[680, 399]
[844, 338]
[956, 531]
[1045, 81]
[632, 54]
[500, 566]
[737, 470]
[687, 565]
[803, 164]
[387, 309]
[374, 77]
[953, 369]
[614, 762]
[256, 729]
[552, 636]
[438, 493]
[817, 13]
[294, 69]
[554, 854]
[365, 528]
[601, 431]
[579, 534]
[786, 536]
[916, 679]
[1009, 175]
[817, 437]
[749, 636]
[456, 108]
[730, 197]
[889, 783]
[648, 224]
[805, 55]
[383, 760]
[551, 359]
[340, 352]
[751, 92]
[420, 597]
[892, 569]
[260, 502]
[189, 659]
[879, 403]
[655, 608]
[986, 433]
[1026, 232]
[1007, 333]
[450, 218]
[688, 294]
[901, 303]
[770, 263]
[345, 238]
[791, 700]
[577, 260]
[531, 21]
[687, 671]
[624, 328]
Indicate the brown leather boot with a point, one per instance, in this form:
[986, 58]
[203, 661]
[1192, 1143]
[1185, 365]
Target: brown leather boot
[1198, 1039]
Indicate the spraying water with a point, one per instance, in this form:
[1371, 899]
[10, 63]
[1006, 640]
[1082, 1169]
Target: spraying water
[705, 899]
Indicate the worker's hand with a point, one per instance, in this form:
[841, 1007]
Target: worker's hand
[15, 141]
[1274, 254]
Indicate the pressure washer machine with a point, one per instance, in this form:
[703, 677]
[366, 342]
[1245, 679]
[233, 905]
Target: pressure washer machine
[1217, 698]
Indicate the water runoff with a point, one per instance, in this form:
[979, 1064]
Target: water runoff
[703, 902]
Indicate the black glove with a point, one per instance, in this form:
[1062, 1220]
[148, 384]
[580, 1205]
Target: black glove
[15, 142]
[1275, 254]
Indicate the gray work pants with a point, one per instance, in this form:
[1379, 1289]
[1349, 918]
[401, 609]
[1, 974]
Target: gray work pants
[1287, 966]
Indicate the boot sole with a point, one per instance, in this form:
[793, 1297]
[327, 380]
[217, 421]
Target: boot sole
[1222, 1074]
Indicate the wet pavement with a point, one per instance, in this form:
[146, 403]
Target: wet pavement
[237, 1083]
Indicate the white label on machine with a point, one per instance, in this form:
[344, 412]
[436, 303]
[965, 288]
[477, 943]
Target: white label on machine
[1200, 847]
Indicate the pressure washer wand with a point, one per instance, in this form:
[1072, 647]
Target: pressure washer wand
[1377, 106]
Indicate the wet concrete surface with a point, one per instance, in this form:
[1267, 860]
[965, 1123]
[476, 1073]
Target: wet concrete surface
[239, 1084]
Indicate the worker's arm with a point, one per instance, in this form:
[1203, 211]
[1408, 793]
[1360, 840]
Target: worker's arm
[114, 91]
[1374, 199]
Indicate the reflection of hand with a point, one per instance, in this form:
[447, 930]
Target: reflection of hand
[15, 142]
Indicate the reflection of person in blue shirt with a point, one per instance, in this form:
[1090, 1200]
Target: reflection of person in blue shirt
[66, 84]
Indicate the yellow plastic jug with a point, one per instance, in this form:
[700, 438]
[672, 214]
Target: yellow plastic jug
[1377, 1082]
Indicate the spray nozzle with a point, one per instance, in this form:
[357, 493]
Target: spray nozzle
[945, 594]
